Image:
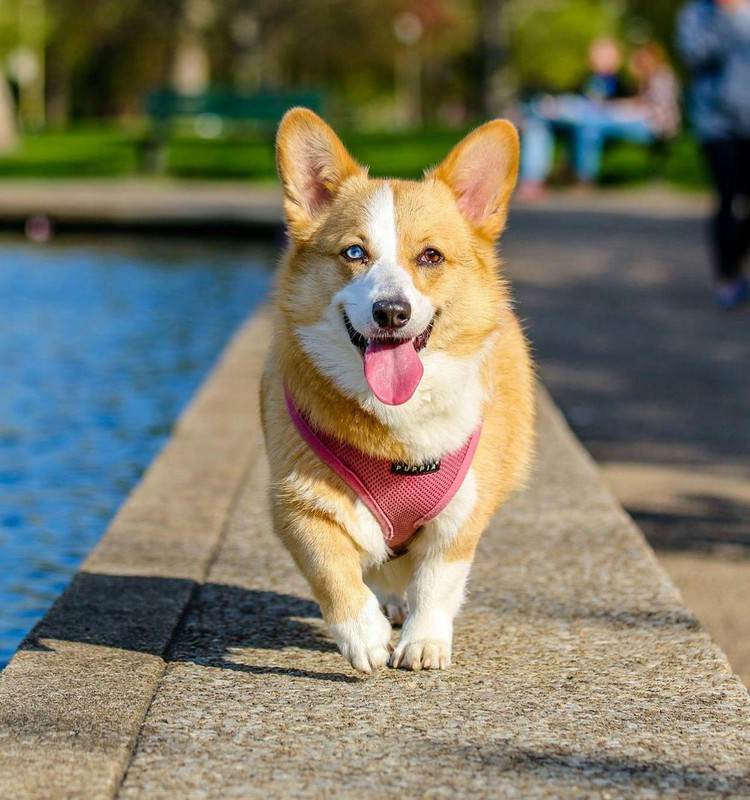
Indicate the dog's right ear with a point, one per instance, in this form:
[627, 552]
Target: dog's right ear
[312, 164]
[481, 171]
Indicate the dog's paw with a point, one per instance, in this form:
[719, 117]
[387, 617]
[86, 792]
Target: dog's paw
[422, 654]
[395, 608]
[366, 640]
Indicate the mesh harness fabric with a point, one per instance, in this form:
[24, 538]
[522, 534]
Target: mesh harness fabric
[401, 503]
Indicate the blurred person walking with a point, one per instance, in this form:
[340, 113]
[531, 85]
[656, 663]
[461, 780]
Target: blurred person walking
[714, 39]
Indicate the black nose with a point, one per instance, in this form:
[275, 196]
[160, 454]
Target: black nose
[391, 313]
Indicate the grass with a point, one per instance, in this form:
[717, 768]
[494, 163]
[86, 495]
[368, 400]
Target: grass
[679, 163]
[108, 151]
[79, 153]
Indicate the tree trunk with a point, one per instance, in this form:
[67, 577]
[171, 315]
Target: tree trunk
[191, 66]
[8, 125]
[498, 89]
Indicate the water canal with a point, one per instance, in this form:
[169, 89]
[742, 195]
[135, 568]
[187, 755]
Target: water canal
[103, 341]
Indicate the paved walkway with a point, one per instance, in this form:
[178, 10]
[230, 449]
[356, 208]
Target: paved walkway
[615, 289]
[187, 659]
[142, 203]
[163, 202]
[654, 380]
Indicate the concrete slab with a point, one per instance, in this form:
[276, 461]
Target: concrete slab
[142, 203]
[717, 588]
[157, 203]
[187, 658]
[74, 696]
[578, 673]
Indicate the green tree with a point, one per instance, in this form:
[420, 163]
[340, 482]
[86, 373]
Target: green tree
[550, 38]
[347, 47]
[104, 54]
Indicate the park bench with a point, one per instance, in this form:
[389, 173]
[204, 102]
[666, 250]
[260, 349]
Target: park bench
[211, 112]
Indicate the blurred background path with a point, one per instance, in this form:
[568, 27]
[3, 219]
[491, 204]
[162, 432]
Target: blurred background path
[652, 377]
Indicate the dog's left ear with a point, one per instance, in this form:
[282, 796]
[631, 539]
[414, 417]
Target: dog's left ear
[312, 164]
[481, 171]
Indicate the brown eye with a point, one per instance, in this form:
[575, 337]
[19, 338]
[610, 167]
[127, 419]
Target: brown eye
[431, 256]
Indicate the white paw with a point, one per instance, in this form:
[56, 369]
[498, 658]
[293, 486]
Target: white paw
[422, 654]
[395, 608]
[366, 640]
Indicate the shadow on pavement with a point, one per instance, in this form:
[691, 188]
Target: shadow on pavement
[619, 309]
[569, 768]
[141, 614]
[707, 515]
[238, 629]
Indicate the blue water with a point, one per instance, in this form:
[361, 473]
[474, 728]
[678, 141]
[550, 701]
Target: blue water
[102, 343]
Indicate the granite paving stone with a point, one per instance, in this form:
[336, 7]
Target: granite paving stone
[578, 672]
[187, 658]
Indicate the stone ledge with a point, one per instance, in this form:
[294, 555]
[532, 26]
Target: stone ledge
[187, 659]
[74, 696]
[157, 204]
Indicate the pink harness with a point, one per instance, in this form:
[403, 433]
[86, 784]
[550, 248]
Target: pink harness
[401, 496]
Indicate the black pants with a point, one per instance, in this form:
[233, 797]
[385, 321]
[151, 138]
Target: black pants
[729, 165]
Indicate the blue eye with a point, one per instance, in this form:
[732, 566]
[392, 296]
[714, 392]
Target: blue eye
[354, 253]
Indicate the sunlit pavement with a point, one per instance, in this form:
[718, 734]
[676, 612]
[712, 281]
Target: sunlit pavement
[616, 293]
[188, 659]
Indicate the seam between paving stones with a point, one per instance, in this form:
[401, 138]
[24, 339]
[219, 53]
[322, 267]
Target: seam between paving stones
[255, 454]
[188, 607]
[246, 458]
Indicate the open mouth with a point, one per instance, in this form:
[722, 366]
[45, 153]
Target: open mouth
[361, 343]
[392, 367]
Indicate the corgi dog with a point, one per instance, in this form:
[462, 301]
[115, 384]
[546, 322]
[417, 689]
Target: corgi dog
[398, 394]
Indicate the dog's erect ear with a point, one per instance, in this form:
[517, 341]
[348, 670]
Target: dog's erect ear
[481, 171]
[312, 164]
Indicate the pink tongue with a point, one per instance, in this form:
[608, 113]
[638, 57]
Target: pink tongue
[393, 370]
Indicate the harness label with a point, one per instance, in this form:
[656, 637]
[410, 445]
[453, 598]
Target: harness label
[426, 468]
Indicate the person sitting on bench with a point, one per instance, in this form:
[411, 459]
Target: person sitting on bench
[601, 113]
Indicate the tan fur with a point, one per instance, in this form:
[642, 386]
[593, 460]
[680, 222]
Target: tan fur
[326, 194]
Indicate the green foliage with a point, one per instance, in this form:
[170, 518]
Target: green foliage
[678, 163]
[550, 39]
[103, 56]
[78, 153]
[95, 151]
[403, 154]
[684, 164]
[250, 158]
[8, 27]
[646, 18]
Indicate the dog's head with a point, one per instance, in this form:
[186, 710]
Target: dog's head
[384, 275]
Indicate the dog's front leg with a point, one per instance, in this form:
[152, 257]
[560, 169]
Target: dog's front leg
[332, 565]
[435, 594]
[441, 558]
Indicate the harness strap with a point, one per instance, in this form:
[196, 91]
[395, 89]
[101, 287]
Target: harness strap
[401, 502]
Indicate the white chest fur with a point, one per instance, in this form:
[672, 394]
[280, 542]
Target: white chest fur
[444, 411]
